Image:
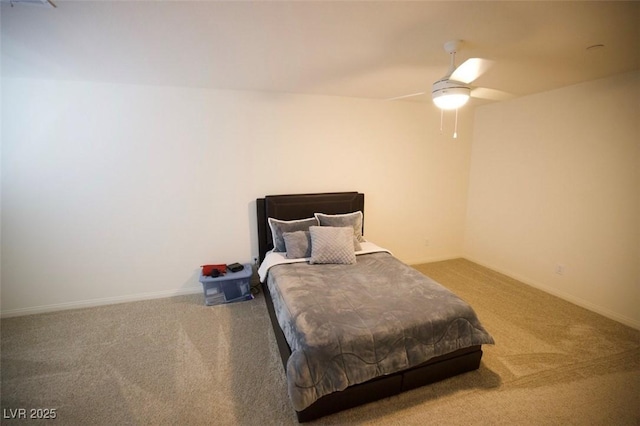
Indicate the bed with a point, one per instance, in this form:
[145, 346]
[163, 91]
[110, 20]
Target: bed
[344, 332]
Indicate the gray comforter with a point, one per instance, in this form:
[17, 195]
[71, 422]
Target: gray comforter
[347, 324]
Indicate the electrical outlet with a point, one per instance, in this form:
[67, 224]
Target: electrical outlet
[559, 269]
[255, 260]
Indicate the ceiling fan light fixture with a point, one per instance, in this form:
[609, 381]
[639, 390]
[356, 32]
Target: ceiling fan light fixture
[450, 97]
[450, 101]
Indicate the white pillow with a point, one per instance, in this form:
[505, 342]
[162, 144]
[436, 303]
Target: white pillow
[331, 244]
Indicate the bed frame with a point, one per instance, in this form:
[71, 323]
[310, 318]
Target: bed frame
[300, 206]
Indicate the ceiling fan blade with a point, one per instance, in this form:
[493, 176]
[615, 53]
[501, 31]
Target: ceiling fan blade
[470, 69]
[491, 94]
[405, 96]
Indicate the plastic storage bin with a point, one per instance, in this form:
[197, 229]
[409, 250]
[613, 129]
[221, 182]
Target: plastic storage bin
[228, 288]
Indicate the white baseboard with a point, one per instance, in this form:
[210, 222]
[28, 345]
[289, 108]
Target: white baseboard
[562, 295]
[433, 259]
[99, 302]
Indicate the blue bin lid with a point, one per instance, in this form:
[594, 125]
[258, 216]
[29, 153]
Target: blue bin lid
[245, 273]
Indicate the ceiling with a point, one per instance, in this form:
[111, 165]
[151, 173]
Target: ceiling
[361, 49]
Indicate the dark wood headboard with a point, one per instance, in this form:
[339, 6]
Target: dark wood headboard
[301, 206]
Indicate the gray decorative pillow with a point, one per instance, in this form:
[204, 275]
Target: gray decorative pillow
[339, 220]
[298, 244]
[332, 245]
[279, 227]
[356, 244]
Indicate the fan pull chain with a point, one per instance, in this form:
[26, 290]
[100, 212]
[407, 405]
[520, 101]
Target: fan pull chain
[441, 119]
[455, 130]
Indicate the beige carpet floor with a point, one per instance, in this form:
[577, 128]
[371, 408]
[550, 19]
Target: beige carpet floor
[176, 361]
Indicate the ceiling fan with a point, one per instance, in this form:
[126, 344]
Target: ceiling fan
[454, 89]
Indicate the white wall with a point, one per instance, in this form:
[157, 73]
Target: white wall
[555, 180]
[118, 192]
